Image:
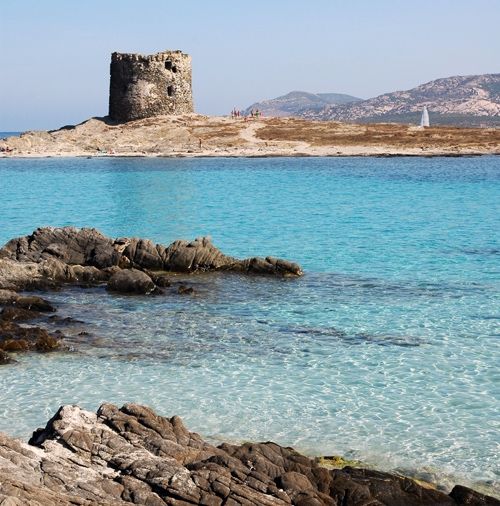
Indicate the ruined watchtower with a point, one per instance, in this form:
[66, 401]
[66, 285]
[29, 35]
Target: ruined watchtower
[149, 85]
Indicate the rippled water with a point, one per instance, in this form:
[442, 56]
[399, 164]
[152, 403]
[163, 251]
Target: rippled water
[386, 350]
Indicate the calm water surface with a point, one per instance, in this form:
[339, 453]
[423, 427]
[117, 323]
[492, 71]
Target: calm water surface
[386, 350]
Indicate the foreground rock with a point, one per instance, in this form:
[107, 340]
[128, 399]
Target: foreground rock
[132, 456]
[52, 256]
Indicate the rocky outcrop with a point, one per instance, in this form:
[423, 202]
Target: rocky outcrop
[133, 456]
[52, 256]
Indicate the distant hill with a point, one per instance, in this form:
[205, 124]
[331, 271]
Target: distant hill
[293, 103]
[458, 100]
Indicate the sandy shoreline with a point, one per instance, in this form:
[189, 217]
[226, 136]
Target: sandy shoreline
[195, 136]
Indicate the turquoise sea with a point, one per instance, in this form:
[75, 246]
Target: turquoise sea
[387, 350]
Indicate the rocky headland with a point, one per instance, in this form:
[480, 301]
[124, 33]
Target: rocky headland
[133, 456]
[193, 135]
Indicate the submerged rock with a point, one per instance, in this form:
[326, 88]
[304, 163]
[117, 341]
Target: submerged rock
[17, 338]
[185, 290]
[12, 313]
[133, 456]
[5, 358]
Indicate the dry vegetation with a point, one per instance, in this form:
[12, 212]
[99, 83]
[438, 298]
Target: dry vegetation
[321, 133]
[195, 135]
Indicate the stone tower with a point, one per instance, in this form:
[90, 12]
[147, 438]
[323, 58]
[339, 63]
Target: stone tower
[149, 85]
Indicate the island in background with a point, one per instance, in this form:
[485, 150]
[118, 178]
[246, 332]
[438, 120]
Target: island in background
[151, 114]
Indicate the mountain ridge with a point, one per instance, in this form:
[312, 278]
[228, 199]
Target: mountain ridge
[472, 100]
[295, 101]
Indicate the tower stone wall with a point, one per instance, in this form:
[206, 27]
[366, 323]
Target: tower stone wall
[142, 86]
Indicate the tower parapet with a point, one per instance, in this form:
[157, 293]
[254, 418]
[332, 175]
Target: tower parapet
[142, 86]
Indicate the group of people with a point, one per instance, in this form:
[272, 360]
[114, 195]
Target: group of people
[235, 113]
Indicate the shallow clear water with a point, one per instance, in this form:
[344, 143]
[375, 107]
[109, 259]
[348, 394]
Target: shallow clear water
[386, 350]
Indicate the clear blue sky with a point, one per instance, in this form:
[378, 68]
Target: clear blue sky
[56, 53]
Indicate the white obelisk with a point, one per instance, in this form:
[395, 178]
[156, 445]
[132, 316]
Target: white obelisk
[424, 121]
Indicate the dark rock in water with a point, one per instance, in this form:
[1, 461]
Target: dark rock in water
[63, 320]
[466, 496]
[47, 342]
[13, 313]
[5, 358]
[284, 266]
[34, 304]
[185, 290]
[131, 281]
[30, 303]
[14, 338]
[52, 256]
[160, 280]
[131, 455]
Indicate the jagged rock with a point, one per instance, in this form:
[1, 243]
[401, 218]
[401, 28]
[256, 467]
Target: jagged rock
[51, 256]
[69, 245]
[45, 274]
[131, 281]
[143, 253]
[133, 456]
